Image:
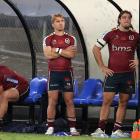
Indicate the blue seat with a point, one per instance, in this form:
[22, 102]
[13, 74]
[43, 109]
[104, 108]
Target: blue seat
[133, 102]
[97, 96]
[89, 87]
[76, 88]
[38, 86]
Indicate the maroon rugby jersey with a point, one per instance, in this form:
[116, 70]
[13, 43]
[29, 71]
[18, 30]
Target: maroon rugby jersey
[122, 47]
[55, 41]
[10, 79]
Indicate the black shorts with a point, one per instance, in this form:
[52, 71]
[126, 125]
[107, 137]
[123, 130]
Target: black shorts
[60, 80]
[120, 83]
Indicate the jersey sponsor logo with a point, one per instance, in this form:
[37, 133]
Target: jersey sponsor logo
[54, 85]
[12, 80]
[68, 85]
[131, 37]
[109, 87]
[67, 41]
[121, 49]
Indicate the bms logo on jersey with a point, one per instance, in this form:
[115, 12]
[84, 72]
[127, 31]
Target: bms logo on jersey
[121, 48]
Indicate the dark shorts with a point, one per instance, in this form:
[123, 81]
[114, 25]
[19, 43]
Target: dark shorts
[120, 83]
[60, 80]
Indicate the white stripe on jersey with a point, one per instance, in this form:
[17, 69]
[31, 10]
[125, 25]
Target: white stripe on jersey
[44, 42]
[75, 41]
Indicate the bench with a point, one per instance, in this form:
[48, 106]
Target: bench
[36, 96]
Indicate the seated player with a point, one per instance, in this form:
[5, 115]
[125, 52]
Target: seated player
[12, 87]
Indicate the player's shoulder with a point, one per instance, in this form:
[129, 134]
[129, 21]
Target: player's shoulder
[134, 32]
[70, 36]
[113, 30]
[49, 36]
[108, 33]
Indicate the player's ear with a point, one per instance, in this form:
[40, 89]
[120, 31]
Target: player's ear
[119, 20]
[52, 25]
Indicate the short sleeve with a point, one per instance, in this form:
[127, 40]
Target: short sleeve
[46, 41]
[103, 40]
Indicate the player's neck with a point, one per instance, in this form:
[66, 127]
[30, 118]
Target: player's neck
[59, 33]
[123, 29]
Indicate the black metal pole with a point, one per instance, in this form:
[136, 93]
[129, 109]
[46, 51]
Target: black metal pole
[116, 5]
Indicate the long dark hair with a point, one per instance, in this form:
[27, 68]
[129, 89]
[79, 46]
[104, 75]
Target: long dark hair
[125, 12]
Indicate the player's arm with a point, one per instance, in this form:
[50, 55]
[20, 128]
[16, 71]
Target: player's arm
[98, 57]
[69, 52]
[138, 50]
[134, 63]
[49, 52]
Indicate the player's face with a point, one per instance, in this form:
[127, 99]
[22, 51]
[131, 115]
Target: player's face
[125, 21]
[59, 24]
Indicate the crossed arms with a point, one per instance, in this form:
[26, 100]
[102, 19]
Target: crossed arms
[52, 53]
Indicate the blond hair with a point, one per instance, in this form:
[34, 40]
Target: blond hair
[55, 16]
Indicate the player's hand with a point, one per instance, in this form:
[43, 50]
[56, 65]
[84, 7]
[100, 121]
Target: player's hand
[106, 71]
[54, 53]
[134, 63]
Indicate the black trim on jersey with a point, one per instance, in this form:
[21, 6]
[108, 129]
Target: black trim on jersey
[100, 43]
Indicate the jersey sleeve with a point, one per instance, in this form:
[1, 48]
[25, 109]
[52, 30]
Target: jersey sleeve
[74, 41]
[46, 41]
[103, 40]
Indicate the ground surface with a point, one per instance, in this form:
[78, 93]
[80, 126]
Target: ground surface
[17, 136]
